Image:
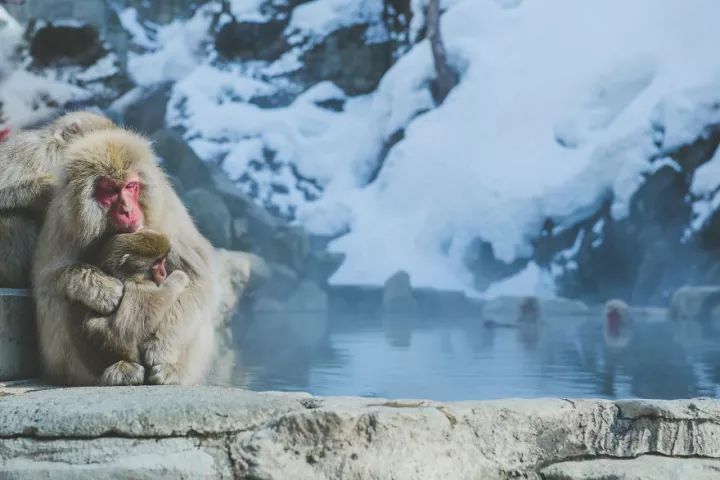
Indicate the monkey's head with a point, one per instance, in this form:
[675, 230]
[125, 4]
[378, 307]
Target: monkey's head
[74, 124]
[616, 310]
[136, 256]
[108, 185]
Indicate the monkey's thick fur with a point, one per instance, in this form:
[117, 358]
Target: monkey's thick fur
[77, 223]
[28, 161]
[113, 345]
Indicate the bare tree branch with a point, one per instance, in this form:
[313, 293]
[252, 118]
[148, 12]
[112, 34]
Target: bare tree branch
[446, 77]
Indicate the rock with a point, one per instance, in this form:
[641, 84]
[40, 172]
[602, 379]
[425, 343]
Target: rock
[252, 40]
[694, 303]
[308, 297]
[60, 45]
[480, 259]
[18, 346]
[345, 58]
[147, 113]
[230, 433]
[279, 284]
[291, 247]
[398, 294]
[117, 458]
[211, 216]
[646, 467]
[321, 266]
[180, 160]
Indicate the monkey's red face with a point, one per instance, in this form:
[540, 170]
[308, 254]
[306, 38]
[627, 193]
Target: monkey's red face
[159, 271]
[122, 200]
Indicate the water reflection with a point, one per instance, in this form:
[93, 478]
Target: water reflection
[467, 358]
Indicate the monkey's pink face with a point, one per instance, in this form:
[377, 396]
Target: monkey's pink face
[159, 271]
[122, 202]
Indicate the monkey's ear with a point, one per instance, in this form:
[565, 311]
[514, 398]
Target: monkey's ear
[66, 133]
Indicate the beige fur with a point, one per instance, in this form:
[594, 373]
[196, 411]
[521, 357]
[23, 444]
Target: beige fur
[117, 341]
[182, 352]
[27, 177]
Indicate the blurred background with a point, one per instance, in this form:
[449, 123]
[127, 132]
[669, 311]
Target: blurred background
[421, 157]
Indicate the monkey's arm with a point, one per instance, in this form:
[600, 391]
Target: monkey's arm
[163, 298]
[28, 193]
[90, 286]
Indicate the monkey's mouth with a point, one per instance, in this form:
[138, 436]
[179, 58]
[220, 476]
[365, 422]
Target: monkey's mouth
[130, 227]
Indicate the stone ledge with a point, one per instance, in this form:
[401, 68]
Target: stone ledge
[215, 432]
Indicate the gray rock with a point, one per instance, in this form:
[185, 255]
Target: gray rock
[147, 113]
[647, 467]
[231, 433]
[181, 161]
[397, 294]
[321, 266]
[694, 303]
[308, 297]
[280, 284]
[211, 216]
[347, 59]
[18, 347]
[252, 40]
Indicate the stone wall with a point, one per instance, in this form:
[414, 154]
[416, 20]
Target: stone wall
[210, 432]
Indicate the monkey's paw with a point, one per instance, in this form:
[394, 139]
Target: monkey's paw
[164, 374]
[108, 296]
[96, 325]
[180, 278]
[123, 373]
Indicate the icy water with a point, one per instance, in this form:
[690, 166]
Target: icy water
[463, 359]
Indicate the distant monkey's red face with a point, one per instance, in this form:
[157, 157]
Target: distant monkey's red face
[122, 201]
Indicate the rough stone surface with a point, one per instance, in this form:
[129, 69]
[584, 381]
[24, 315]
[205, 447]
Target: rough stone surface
[398, 293]
[694, 303]
[211, 216]
[211, 432]
[18, 348]
[647, 467]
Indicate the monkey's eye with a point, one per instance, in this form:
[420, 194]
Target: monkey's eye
[133, 187]
[106, 192]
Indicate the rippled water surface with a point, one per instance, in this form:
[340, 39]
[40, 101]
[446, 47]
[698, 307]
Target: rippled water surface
[462, 358]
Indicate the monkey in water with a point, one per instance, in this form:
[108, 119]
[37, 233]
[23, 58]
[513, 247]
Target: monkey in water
[110, 184]
[117, 341]
[28, 162]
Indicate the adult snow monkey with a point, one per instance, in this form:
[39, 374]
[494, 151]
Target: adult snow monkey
[28, 161]
[110, 184]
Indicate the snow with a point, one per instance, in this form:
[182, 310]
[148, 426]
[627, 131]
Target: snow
[531, 281]
[177, 49]
[320, 17]
[10, 35]
[130, 22]
[558, 111]
[28, 98]
[487, 162]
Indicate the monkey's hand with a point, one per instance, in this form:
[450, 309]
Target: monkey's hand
[96, 326]
[177, 281]
[91, 287]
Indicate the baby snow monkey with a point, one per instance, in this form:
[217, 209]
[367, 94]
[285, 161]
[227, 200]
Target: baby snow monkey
[138, 260]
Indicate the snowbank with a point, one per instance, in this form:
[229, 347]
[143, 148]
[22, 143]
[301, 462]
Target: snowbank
[558, 110]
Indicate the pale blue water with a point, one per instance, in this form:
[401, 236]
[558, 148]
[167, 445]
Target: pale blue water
[461, 359]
